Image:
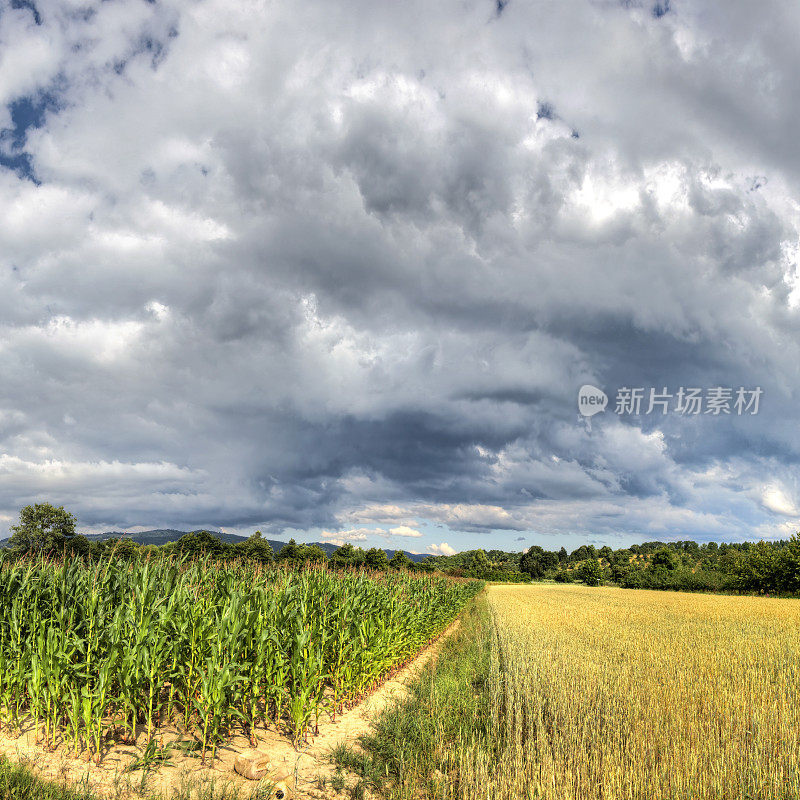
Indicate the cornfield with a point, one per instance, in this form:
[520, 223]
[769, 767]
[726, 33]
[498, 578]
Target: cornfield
[610, 693]
[88, 653]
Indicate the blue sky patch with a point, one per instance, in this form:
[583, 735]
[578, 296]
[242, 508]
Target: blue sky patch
[545, 111]
[37, 17]
[26, 113]
[661, 9]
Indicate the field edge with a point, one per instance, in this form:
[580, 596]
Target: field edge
[413, 746]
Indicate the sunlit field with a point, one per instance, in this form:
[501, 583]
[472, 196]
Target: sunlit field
[610, 693]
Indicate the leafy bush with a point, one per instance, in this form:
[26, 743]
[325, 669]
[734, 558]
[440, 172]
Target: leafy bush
[590, 572]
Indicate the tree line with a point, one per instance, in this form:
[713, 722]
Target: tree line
[44, 528]
[760, 568]
[752, 567]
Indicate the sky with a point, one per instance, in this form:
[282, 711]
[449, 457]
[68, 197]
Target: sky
[339, 270]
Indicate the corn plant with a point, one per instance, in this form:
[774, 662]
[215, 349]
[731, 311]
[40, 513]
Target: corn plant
[85, 650]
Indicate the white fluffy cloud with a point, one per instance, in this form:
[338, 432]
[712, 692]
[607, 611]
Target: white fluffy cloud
[775, 499]
[405, 532]
[442, 549]
[363, 534]
[341, 538]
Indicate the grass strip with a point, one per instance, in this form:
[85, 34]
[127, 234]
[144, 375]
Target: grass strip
[413, 748]
[17, 782]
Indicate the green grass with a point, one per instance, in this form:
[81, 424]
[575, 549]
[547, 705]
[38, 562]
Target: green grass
[18, 783]
[410, 751]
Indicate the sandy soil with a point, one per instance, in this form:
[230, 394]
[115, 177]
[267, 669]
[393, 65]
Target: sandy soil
[308, 764]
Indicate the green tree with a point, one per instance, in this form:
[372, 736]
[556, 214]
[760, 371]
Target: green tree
[537, 561]
[80, 546]
[664, 559]
[289, 552]
[621, 557]
[348, 556]
[583, 552]
[620, 568]
[630, 577]
[563, 576]
[314, 554]
[198, 543]
[127, 548]
[255, 548]
[477, 563]
[42, 528]
[728, 560]
[400, 560]
[789, 566]
[377, 559]
[757, 570]
[590, 572]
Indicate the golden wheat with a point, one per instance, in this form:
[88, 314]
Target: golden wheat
[611, 693]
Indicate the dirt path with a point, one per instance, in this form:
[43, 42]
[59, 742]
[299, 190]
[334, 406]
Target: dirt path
[356, 721]
[308, 765]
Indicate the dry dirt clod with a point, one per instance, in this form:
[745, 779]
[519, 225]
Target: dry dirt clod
[253, 764]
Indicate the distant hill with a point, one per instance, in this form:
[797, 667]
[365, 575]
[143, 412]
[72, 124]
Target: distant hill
[160, 536]
[167, 535]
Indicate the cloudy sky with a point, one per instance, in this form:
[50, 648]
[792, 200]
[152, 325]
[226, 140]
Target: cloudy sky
[340, 269]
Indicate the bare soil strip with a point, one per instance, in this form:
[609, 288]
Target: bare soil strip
[307, 764]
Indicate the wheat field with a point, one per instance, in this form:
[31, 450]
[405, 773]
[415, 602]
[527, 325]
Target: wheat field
[611, 693]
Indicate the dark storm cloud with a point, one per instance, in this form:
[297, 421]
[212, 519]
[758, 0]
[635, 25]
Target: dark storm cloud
[313, 274]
